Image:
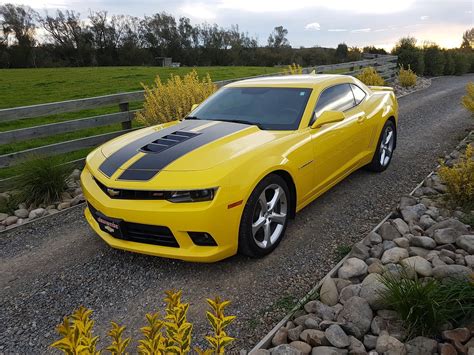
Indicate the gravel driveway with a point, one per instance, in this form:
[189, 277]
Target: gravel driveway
[52, 267]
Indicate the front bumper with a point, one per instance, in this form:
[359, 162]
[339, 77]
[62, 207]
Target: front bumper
[212, 217]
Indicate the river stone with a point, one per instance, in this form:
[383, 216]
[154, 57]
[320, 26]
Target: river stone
[356, 316]
[370, 341]
[448, 223]
[426, 221]
[356, 347]
[423, 242]
[300, 320]
[77, 200]
[389, 244]
[285, 349]
[320, 310]
[394, 255]
[21, 213]
[388, 231]
[38, 212]
[418, 251]
[433, 212]
[466, 242]
[447, 349]
[406, 201]
[402, 242]
[448, 253]
[328, 350]
[445, 235]
[314, 337]
[421, 345]
[312, 323]
[469, 259]
[304, 348]
[456, 271]
[401, 226]
[360, 251]
[376, 251]
[341, 283]
[328, 293]
[348, 292]
[336, 336]
[416, 230]
[376, 268]
[413, 213]
[374, 238]
[418, 264]
[352, 267]
[280, 337]
[371, 289]
[387, 343]
[3, 216]
[294, 333]
[64, 205]
[10, 220]
[460, 335]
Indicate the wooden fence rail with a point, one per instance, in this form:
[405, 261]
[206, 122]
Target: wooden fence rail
[385, 65]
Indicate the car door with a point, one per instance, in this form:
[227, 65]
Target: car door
[338, 147]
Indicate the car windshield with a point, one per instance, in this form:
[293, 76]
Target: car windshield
[268, 108]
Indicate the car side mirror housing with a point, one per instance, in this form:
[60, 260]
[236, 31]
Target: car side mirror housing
[194, 106]
[328, 117]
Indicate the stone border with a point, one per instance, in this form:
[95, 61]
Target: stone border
[265, 343]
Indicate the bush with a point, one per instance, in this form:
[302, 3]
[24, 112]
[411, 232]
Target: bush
[8, 203]
[434, 60]
[461, 63]
[170, 335]
[449, 66]
[468, 99]
[406, 77]
[459, 179]
[294, 69]
[369, 76]
[173, 100]
[410, 55]
[41, 180]
[425, 306]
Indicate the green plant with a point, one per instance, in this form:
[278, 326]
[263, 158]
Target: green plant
[342, 250]
[459, 178]
[461, 63]
[425, 305]
[410, 55]
[8, 204]
[369, 76]
[41, 180]
[407, 77]
[468, 99]
[449, 66]
[434, 60]
[294, 69]
[174, 99]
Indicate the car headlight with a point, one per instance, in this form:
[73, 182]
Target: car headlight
[191, 195]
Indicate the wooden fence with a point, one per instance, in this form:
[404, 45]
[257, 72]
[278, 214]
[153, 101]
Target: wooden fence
[385, 65]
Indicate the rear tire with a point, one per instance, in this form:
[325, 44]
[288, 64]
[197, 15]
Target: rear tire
[265, 217]
[385, 147]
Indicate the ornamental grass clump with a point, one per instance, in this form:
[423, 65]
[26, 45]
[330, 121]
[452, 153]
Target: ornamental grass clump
[41, 180]
[426, 305]
[294, 69]
[459, 179]
[174, 99]
[468, 99]
[369, 76]
[407, 77]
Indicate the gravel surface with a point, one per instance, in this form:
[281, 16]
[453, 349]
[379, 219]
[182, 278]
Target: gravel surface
[51, 267]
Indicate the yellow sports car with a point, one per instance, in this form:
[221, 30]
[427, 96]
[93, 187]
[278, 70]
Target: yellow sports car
[228, 177]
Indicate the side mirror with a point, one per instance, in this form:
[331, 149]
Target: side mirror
[194, 106]
[328, 117]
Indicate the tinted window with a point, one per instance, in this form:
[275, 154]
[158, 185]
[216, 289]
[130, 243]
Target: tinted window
[335, 98]
[359, 94]
[269, 108]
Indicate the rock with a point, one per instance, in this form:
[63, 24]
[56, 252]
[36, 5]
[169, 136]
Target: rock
[406, 201]
[388, 314]
[446, 259]
[370, 341]
[328, 350]
[294, 333]
[394, 269]
[341, 283]
[66, 196]
[356, 316]
[402, 242]
[448, 253]
[418, 265]
[301, 346]
[21, 213]
[285, 349]
[461, 251]
[376, 268]
[336, 336]
[328, 293]
[325, 324]
[37, 213]
[3, 216]
[413, 213]
[445, 235]
[421, 346]
[418, 251]
[77, 200]
[394, 255]
[314, 337]
[374, 238]
[360, 251]
[388, 231]
[386, 343]
[459, 260]
[371, 289]
[389, 244]
[10, 220]
[300, 320]
[447, 349]
[401, 226]
[280, 337]
[426, 221]
[448, 223]
[77, 191]
[356, 347]
[352, 267]
[445, 271]
[52, 211]
[63, 205]
[469, 259]
[423, 242]
[311, 323]
[460, 335]
[376, 251]
[466, 242]
[433, 212]
[290, 325]
[348, 292]
[320, 310]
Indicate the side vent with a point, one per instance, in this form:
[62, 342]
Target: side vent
[168, 141]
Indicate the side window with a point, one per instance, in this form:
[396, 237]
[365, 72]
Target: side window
[335, 98]
[359, 94]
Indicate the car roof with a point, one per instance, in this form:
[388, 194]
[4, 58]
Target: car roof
[297, 81]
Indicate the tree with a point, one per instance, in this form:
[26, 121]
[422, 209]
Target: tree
[374, 50]
[277, 38]
[468, 39]
[341, 52]
[410, 55]
[434, 60]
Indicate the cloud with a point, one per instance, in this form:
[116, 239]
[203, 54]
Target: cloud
[198, 11]
[361, 30]
[313, 26]
[337, 30]
[424, 18]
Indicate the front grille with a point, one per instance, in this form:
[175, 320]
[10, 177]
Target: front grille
[141, 233]
[125, 194]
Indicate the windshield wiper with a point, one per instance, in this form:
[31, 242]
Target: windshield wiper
[192, 118]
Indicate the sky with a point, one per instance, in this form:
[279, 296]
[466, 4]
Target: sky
[309, 22]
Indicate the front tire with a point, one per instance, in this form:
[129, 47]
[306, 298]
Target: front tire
[265, 217]
[385, 147]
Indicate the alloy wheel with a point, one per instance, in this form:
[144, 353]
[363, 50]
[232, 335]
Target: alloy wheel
[386, 146]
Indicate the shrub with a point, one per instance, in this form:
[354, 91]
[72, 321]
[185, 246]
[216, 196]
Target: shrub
[426, 305]
[369, 76]
[459, 179]
[461, 63]
[294, 69]
[41, 180]
[449, 66]
[170, 335]
[173, 100]
[407, 77]
[434, 60]
[8, 203]
[410, 55]
[468, 99]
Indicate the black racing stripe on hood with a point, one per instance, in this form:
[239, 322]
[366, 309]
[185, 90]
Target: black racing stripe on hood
[121, 156]
[154, 162]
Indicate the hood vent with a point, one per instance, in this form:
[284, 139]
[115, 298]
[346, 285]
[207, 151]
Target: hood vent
[168, 141]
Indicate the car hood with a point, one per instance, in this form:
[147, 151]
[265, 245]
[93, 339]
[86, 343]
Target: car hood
[188, 145]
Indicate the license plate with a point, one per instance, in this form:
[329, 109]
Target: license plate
[109, 225]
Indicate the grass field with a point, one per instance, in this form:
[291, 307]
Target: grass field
[23, 87]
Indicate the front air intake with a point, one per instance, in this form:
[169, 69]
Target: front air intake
[168, 141]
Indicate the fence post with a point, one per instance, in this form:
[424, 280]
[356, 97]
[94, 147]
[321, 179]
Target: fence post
[124, 107]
